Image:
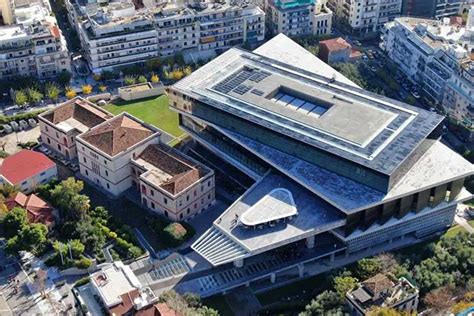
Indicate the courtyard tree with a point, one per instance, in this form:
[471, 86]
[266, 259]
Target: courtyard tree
[86, 89]
[129, 80]
[33, 237]
[52, 91]
[439, 300]
[102, 88]
[21, 98]
[154, 78]
[142, 79]
[64, 78]
[34, 96]
[70, 93]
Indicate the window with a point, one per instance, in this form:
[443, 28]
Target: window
[152, 205]
[208, 183]
[84, 159]
[165, 200]
[106, 173]
[24, 182]
[188, 210]
[49, 140]
[181, 216]
[108, 186]
[187, 197]
[87, 172]
[43, 173]
[152, 192]
[166, 213]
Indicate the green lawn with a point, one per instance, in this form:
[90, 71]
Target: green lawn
[153, 111]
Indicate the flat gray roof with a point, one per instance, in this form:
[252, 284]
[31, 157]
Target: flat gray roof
[339, 118]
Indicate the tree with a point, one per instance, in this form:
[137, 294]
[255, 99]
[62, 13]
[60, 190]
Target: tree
[52, 91]
[14, 222]
[129, 80]
[100, 214]
[21, 98]
[187, 70]
[152, 64]
[154, 78]
[367, 268]
[385, 311]
[34, 96]
[70, 93]
[344, 284]
[66, 197]
[429, 276]
[77, 248]
[86, 89]
[7, 190]
[102, 88]
[142, 79]
[134, 252]
[352, 73]
[388, 262]
[64, 78]
[33, 237]
[326, 303]
[90, 235]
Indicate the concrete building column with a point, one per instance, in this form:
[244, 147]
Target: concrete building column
[272, 277]
[239, 263]
[390, 241]
[300, 270]
[346, 253]
[332, 257]
[310, 242]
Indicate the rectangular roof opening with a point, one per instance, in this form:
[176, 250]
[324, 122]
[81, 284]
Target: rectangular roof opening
[299, 102]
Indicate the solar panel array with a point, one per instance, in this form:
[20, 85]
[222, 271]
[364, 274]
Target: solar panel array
[235, 81]
[299, 105]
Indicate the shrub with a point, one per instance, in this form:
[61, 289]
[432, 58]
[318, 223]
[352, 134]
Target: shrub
[134, 252]
[82, 281]
[113, 235]
[21, 116]
[102, 88]
[83, 263]
[142, 79]
[176, 230]
[154, 78]
[3, 154]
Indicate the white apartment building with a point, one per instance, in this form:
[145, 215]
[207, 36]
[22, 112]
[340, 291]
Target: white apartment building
[297, 18]
[122, 33]
[34, 44]
[116, 35]
[60, 126]
[429, 52]
[172, 184]
[458, 98]
[105, 151]
[365, 16]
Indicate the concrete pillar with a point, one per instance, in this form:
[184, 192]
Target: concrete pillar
[346, 253]
[247, 284]
[310, 242]
[300, 270]
[239, 263]
[272, 277]
[390, 241]
[332, 257]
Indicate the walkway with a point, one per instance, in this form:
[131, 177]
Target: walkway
[464, 223]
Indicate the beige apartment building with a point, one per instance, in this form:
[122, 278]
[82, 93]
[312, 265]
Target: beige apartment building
[106, 150]
[60, 126]
[172, 184]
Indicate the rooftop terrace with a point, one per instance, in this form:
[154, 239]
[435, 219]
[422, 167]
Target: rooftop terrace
[309, 215]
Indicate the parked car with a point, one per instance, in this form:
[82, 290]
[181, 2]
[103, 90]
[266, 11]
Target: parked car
[24, 124]
[15, 126]
[32, 122]
[7, 128]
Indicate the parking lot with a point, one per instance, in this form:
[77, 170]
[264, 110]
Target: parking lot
[9, 142]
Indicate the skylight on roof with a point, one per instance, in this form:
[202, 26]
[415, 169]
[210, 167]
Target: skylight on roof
[300, 103]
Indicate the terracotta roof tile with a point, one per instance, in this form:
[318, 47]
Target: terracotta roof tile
[335, 44]
[82, 110]
[24, 165]
[117, 134]
[377, 284]
[38, 211]
[183, 171]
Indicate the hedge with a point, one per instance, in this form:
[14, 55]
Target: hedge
[22, 116]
